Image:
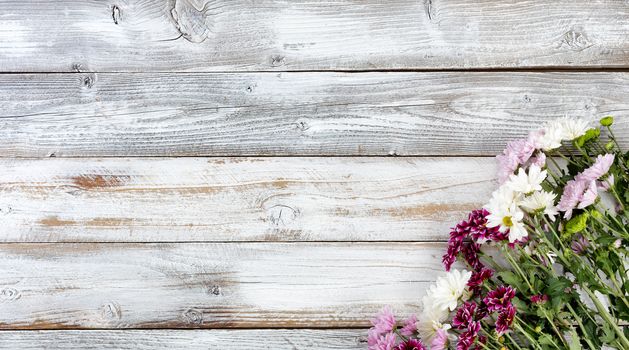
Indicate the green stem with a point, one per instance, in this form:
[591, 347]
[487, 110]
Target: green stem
[607, 317]
[586, 336]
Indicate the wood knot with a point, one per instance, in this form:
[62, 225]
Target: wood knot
[214, 290]
[302, 125]
[6, 209]
[115, 14]
[9, 294]
[282, 215]
[88, 81]
[575, 40]
[77, 67]
[527, 99]
[112, 311]
[278, 60]
[193, 316]
[193, 23]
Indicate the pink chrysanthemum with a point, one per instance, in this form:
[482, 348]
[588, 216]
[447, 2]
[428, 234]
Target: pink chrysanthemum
[517, 153]
[410, 326]
[411, 344]
[381, 336]
[440, 341]
[581, 192]
[384, 321]
[505, 320]
[599, 168]
[383, 342]
[499, 298]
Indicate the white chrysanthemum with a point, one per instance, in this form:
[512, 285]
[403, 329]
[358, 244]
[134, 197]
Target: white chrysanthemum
[541, 201]
[529, 182]
[431, 319]
[505, 213]
[448, 289]
[573, 127]
[550, 136]
[561, 129]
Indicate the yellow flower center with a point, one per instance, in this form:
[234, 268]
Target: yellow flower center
[507, 221]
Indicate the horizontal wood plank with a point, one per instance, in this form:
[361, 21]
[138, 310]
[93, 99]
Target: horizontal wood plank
[438, 113]
[233, 339]
[227, 35]
[238, 199]
[219, 285]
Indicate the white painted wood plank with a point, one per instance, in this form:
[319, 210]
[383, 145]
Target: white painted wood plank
[225, 35]
[234, 339]
[238, 199]
[438, 113]
[250, 285]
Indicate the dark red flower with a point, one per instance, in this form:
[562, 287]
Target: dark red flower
[470, 253]
[464, 315]
[505, 319]
[500, 298]
[450, 257]
[477, 225]
[474, 228]
[478, 278]
[411, 344]
[539, 298]
[466, 340]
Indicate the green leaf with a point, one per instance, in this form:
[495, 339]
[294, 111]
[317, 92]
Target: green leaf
[511, 279]
[556, 287]
[575, 343]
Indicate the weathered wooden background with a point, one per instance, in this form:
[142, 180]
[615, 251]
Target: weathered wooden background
[223, 174]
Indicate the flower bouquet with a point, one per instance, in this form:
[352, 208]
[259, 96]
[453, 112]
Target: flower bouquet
[544, 264]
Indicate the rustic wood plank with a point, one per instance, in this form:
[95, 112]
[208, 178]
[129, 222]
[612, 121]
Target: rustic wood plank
[438, 113]
[219, 285]
[238, 199]
[226, 35]
[233, 339]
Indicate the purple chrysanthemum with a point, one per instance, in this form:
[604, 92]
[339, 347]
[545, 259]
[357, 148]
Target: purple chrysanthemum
[464, 315]
[411, 344]
[580, 245]
[505, 320]
[478, 278]
[499, 298]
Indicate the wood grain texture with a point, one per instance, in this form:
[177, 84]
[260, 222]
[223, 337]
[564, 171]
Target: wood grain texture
[438, 113]
[234, 339]
[219, 285]
[239, 199]
[226, 35]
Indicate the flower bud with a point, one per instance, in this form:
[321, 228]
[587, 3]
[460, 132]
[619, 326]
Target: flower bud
[577, 223]
[607, 121]
[609, 146]
[617, 243]
[538, 329]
